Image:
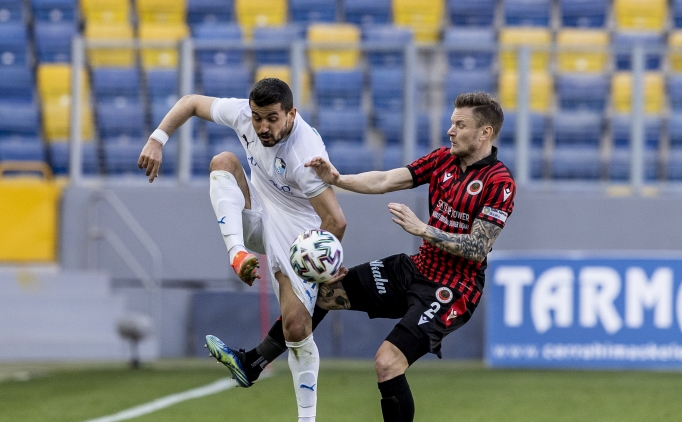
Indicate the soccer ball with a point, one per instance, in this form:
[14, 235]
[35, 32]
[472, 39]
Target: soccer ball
[316, 255]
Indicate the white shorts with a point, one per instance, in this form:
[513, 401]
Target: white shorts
[271, 231]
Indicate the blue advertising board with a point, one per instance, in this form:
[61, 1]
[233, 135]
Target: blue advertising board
[584, 312]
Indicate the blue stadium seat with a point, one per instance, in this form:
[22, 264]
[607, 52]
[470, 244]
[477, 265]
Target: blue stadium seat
[582, 91]
[390, 123]
[13, 44]
[59, 158]
[17, 85]
[162, 85]
[19, 119]
[120, 158]
[393, 156]
[53, 41]
[368, 12]
[115, 123]
[578, 128]
[386, 36]
[351, 157]
[675, 130]
[466, 56]
[209, 11]
[623, 42]
[11, 11]
[342, 125]
[387, 88]
[538, 127]
[309, 11]
[200, 159]
[575, 162]
[676, 13]
[226, 81]
[218, 32]
[619, 164]
[583, 13]
[675, 91]
[620, 131]
[25, 149]
[674, 164]
[276, 36]
[507, 154]
[338, 89]
[218, 133]
[120, 85]
[471, 13]
[527, 12]
[458, 81]
[54, 10]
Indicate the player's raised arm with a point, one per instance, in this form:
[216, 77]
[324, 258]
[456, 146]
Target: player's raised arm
[186, 107]
[371, 182]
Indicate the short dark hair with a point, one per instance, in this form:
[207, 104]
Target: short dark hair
[486, 109]
[270, 91]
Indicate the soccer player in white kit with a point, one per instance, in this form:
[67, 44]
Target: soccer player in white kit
[264, 214]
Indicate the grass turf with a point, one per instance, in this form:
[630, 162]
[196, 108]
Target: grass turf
[443, 391]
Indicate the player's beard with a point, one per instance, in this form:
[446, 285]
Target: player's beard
[271, 140]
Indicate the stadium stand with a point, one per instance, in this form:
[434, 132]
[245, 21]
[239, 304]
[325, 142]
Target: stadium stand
[575, 162]
[538, 38]
[53, 41]
[25, 149]
[252, 14]
[674, 165]
[226, 81]
[278, 40]
[675, 56]
[338, 89]
[14, 47]
[117, 85]
[458, 81]
[209, 11]
[105, 12]
[387, 87]
[218, 32]
[367, 12]
[11, 11]
[309, 11]
[583, 13]
[17, 85]
[350, 157]
[19, 120]
[322, 57]
[54, 10]
[386, 36]
[675, 130]
[456, 40]
[582, 91]
[582, 128]
[527, 12]
[571, 59]
[471, 13]
[97, 57]
[424, 18]
[120, 158]
[621, 126]
[59, 158]
[644, 15]
[619, 165]
[161, 57]
[623, 42]
[120, 122]
[162, 11]
[621, 92]
[334, 127]
[541, 90]
[537, 126]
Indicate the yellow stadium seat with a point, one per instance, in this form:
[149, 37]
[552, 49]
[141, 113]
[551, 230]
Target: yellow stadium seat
[648, 15]
[57, 123]
[107, 12]
[570, 59]
[260, 13]
[162, 11]
[525, 36]
[284, 73]
[334, 57]
[160, 56]
[654, 92]
[54, 82]
[425, 18]
[110, 57]
[675, 57]
[541, 89]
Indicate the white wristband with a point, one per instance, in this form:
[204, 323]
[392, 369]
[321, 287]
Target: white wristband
[160, 135]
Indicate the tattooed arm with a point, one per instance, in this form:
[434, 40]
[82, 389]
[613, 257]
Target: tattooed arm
[474, 246]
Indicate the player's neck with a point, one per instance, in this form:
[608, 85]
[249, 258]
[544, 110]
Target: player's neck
[475, 157]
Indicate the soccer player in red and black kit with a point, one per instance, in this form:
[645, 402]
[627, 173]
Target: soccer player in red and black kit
[471, 195]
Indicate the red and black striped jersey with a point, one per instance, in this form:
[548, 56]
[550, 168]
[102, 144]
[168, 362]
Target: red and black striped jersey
[485, 190]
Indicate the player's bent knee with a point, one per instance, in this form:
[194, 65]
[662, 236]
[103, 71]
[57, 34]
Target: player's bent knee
[389, 362]
[225, 161]
[296, 330]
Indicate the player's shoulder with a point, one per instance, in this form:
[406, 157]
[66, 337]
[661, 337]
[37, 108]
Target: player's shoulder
[305, 139]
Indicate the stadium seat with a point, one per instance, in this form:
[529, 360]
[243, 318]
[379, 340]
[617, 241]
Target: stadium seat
[106, 57]
[677, 13]
[333, 57]
[458, 81]
[387, 87]
[338, 89]
[571, 59]
[646, 15]
[13, 44]
[226, 81]
[284, 73]
[18, 119]
[527, 12]
[386, 36]
[24, 150]
[57, 124]
[582, 91]
[16, 85]
[537, 126]
[11, 11]
[474, 13]
[115, 123]
[621, 126]
[675, 56]
[53, 41]
[54, 82]
[470, 48]
[121, 159]
[310, 11]
[161, 57]
[654, 92]
[200, 159]
[583, 13]
[541, 90]
[162, 12]
[675, 130]
[162, 85]
[390, 124]
[392, 156]
[368, 12]
[209, 11]
[335, 126]
[54, 10]
[216, 133]
[252, 14]
[530, 37]
[582, 128]
[424, 18]
[619, 164]
[674, 165]
[507, 155]
[116, 85]
[59, 157]
[623, 42]
[217, 32]
[276, 36]
[352, 158]
[105, 12]
[575, 162]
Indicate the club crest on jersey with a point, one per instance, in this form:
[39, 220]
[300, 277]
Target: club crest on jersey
[474, 187]
[444, 295]
[280, 165]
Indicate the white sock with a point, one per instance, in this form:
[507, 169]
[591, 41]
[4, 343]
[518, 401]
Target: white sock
[304, 363]
[228, 202]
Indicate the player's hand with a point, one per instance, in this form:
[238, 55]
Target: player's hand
[150, 158]
[343, 271]
[405, 218]
[325, 170]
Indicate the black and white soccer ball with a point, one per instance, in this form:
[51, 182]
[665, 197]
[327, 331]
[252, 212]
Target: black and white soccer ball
[316, 255]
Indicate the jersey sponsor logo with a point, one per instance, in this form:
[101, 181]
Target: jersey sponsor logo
[506, 194]
[428, 314]
[447, 177]
[252, 162]
[474, 187]
[284, 188]
[248, 143]
[444, 295]
[280, 165]
[378, 279]
[496, 214]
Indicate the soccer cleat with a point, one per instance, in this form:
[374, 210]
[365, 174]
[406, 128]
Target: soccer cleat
[231, 358]
[245, 265]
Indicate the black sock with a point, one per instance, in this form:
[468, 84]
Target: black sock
[397, 404]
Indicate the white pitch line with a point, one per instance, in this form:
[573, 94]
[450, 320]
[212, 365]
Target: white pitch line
[163, 402]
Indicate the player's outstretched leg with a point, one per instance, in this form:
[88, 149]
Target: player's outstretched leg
[304, 362]
[230, 358]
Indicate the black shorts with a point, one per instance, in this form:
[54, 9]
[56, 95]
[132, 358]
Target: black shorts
[393, 288]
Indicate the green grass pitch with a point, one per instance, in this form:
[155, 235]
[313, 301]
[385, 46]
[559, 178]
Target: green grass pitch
[444, 391]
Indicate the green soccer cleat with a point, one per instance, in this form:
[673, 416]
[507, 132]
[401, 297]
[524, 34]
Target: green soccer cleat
[230, 358]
